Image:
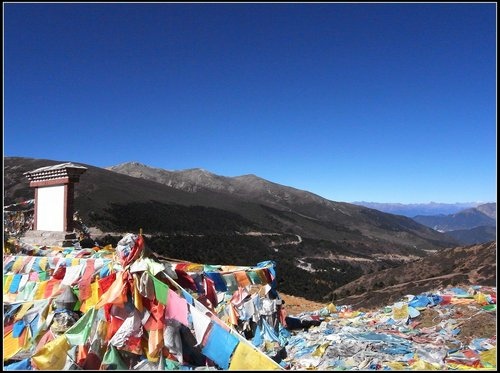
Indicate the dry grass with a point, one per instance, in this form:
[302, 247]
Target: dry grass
[295, 305]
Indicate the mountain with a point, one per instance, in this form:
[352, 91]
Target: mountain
[414, 209]
[489, 209]
[296, 211]
[465, 219]
[198, 216]
[474, 236]
[474, 264]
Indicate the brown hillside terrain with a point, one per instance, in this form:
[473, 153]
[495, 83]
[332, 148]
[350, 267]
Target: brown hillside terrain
[469, 265]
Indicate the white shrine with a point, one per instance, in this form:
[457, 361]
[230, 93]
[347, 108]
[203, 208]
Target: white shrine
[54, 196]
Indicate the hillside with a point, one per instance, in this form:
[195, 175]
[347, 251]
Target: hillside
[318, 244]
[297, 211]
[474, 235]
[475, 264]
[489, 209]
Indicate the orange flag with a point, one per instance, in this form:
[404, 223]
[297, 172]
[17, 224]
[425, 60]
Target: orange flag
[117, 292]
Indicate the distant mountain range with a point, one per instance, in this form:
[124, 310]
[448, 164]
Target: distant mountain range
[465, 219]
[198, 216]
[414, 209]
[467, 225]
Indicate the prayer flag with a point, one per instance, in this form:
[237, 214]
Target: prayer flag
[52, 356]
[112, 360]
[176, 308]
[79, 332]
[219, 346]
[247, 358]
[161, 290]
[200, 323]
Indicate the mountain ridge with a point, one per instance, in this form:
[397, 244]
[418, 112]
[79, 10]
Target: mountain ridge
[413, 209]
[464, 219]
[288, 200]
[318, 244]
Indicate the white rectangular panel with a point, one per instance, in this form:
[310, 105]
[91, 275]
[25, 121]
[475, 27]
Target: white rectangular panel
[50, 208]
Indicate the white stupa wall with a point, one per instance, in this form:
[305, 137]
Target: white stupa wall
[50, 208]
[54, 195]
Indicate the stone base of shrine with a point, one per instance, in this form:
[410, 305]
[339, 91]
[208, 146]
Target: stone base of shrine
[49, 238]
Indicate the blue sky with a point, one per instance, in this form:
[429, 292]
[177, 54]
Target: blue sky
[354, 102]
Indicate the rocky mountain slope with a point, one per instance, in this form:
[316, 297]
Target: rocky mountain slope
[296, 211]
[489, 209]
[475, 264]
[474, 235]
[318, 244]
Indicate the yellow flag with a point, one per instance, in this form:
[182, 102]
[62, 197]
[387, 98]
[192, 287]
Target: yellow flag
[10, 346]
[155, 344]
[395, 365]
[22, 311]
[102, 329]
[40, 291]
[400, 311]
[420, 364]
[481, 299]
[53, 355]
[93, 299]
[43, 263]
[331, 308]
[248, 358]
[194, 267]
[137, 296]
[320, 350]
[489, 357]
[18, 264]
[6, 284]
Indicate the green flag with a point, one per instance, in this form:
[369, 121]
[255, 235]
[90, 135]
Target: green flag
[79, 332]
[112, 360]
[161, 290]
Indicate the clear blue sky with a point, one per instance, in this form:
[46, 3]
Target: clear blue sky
[375, 102]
